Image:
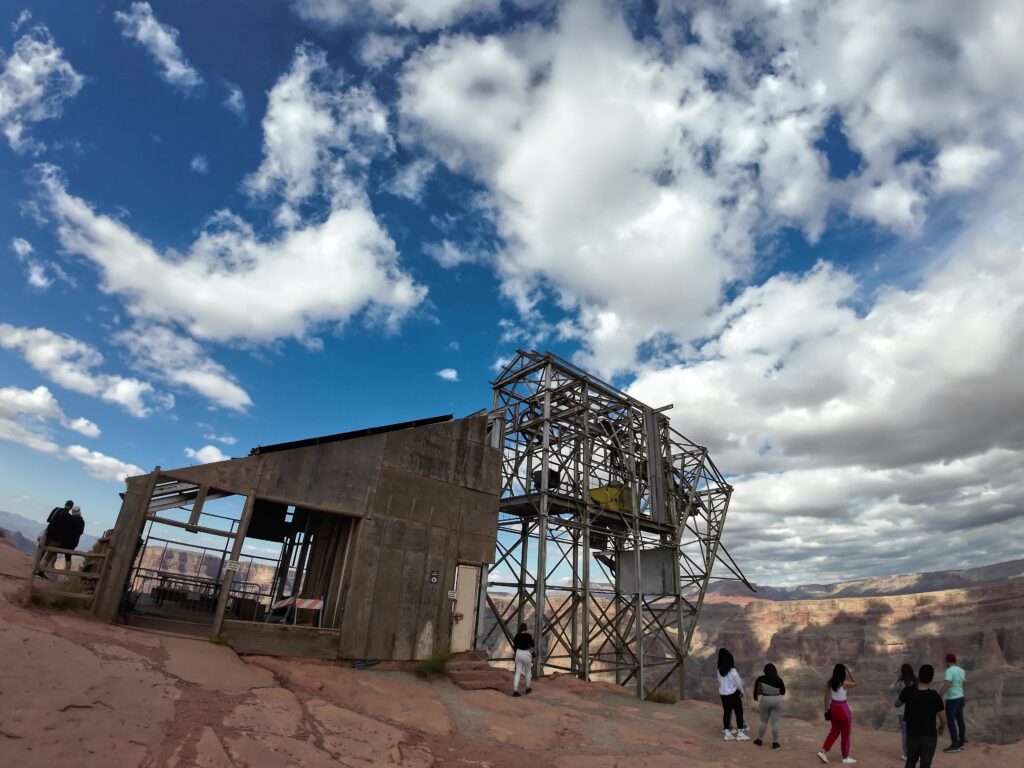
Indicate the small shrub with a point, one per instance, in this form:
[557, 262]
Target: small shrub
[433, 666]
[661, 696]
[220, 639]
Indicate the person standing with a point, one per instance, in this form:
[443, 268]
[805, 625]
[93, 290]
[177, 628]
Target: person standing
[730, 688]
[952, 690]
[838, 712]
[903, 680]
[921, 704]
[523, 646]
[57, 523]
[75, 529]
[770, 688]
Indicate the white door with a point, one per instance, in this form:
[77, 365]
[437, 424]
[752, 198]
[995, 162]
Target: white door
[467, 588]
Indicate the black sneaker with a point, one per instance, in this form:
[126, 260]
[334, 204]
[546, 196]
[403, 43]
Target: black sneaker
[951, 749]
[529, 690]
[517, 694]
[758, 742]
[776, 745]
[42, 575]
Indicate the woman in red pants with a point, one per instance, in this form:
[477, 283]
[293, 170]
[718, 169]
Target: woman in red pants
[837, 710]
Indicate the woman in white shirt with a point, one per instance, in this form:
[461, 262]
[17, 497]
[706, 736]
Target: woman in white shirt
[837, 711]
[730, 688]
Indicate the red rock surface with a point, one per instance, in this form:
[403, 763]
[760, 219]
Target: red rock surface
[78, 694]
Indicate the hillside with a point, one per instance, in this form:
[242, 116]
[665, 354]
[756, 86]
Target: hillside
[83, 694]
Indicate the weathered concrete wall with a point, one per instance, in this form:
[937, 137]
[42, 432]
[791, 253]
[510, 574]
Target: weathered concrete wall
[435, 506]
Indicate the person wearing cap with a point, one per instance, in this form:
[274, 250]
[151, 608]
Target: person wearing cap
[76, 527]
[952, 691]
[56, 522]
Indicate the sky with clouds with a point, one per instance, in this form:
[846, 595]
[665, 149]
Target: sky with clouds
[799, 221]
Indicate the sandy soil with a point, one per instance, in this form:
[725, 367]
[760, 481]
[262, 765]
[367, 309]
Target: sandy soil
[74, 692]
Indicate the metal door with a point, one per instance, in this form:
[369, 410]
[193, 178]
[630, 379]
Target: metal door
[467, 588]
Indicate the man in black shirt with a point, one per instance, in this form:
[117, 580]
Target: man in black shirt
[922, 705]
[522, 643]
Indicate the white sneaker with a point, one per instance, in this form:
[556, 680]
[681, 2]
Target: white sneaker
[727, 735]
[822, 756]
[742, 736]
[849, 760]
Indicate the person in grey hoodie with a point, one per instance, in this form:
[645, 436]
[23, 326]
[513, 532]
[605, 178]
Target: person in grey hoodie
[770, 688]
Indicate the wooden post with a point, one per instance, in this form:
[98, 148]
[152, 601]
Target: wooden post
[227, 576]
[121, 552]
[35, 567]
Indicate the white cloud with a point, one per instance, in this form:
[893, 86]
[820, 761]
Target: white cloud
[35, 81]
[101, 466]
[964, 166]
[317, 137]
[182, 362]
[200, 164]
[377, 51]
[23, 18]
[448, 374]
[225, 439]
[161, 40]
[207, 454]
[24, 415]
[38, 271]
[678, 154]
[21, 247]
[410, 180]
[882, 426]
[70, 363]
[234, 102]
[327, 271]
[449, 254]
[422, 16]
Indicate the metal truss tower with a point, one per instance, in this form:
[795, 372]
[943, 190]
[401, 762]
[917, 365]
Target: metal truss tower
[609, 526]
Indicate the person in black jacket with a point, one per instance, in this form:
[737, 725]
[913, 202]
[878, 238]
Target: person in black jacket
[923, 705]
[56, 523]
[76, 526]
[522, 643]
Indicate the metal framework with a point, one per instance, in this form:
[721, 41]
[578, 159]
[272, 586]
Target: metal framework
[609, 527]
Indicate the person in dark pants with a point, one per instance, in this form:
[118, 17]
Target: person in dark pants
[952, 691]
[922, 704]
[730, 688]
[57, 525]
[73, 534]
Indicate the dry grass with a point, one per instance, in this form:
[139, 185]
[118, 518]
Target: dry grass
[662, 696]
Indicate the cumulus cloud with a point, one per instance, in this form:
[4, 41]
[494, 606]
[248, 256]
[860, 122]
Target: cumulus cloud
[103, 467]
[377, 51]
[317, 137]
[234, 102]
[70, 363]
[225, 439]
[181, 361]
[448, 374]
[885, 426]
[401, 13]
[327, 271]
[411, 179]
[678, 152]
[161, 41]
[207, 454]
[35, 82]
[449, 254]
[24, 415]
[200, 164]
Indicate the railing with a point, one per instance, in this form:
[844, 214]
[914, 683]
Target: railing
[87, 574]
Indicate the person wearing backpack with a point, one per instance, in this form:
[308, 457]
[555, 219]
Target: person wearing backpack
[57, 523]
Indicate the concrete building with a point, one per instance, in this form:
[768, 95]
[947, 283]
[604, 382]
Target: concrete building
[364, 545]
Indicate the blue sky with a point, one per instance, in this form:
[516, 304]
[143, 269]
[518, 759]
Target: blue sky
[233, 223]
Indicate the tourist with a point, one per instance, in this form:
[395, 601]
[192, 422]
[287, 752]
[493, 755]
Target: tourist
[952, 690]
[770, 688]
[730, 688]
[57, 523]
[904, 679]
[837, 711]
[73, 534]
[921, 704]
[523, 645]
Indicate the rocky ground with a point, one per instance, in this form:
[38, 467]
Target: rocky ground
[74, 692]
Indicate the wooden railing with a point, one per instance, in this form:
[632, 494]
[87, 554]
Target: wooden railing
[93, 574]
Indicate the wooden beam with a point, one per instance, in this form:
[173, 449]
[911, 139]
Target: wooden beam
[197, 506]
[228, 576]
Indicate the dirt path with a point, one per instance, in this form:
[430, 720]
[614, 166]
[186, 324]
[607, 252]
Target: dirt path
[74, 692]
